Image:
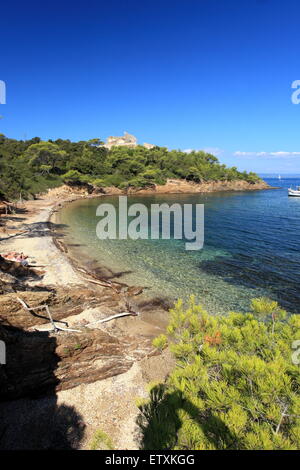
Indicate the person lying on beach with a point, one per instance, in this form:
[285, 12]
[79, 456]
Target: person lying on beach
[18, 257]
[22, 259]
[11, 255]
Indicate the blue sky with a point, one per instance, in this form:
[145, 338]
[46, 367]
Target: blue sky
[189, 74]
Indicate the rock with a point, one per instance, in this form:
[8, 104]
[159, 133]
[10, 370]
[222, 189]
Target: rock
[13, 314]
[135, 290]
[63, 302]
[40, 363]
[89, 356]
[30, 363]
[8, 283]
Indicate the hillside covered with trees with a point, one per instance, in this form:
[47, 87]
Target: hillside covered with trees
[28, 167]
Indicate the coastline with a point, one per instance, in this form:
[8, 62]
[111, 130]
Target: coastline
[171, 187]
[45, 239]
[106, 265]
[102, 381]
[104, 400]
[176, 186]
[42, 214]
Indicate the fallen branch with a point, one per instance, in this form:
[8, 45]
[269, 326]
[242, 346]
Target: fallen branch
[58, 328]
[98, 283]
[112, 317]
[110, 283]
[41, 307]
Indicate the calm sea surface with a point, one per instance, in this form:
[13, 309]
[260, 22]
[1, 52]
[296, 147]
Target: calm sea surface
[251, 249]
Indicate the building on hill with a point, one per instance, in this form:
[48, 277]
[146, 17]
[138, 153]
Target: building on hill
[148, 146]
[127, 140]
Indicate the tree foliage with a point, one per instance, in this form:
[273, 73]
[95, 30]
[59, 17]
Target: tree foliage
[234, 385]
[33, 165]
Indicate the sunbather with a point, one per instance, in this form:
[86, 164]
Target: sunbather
[22, 259]
[11, 255]
[18, 257]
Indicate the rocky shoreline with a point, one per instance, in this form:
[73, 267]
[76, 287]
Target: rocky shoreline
[176, 186]
[48, 373]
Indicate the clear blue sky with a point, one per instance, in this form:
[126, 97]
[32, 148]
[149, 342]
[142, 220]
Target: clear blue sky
[189, 74]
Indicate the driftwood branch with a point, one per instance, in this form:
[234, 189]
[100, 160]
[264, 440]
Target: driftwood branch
[109, 283]
[99, 283]
[112, 317]
[40, 307]
[57, 328]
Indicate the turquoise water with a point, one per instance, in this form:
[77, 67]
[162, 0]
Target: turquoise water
[251, 249]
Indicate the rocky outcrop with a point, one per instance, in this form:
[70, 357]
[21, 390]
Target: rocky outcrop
[30, 363]
[8, 283]
[176, 186]
[63, 303]
[43, 362]
[39, 363]
[172, 186]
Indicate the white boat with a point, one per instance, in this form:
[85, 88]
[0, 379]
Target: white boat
[294, 192]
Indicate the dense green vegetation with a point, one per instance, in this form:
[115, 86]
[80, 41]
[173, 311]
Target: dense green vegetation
[235, 384]
[32, 166]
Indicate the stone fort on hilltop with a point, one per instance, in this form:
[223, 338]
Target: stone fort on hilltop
[127, 140]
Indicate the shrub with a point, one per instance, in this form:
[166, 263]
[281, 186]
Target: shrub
[160, 342]
[101, 441]
[234, 385]
[75, 177]
[98, 182]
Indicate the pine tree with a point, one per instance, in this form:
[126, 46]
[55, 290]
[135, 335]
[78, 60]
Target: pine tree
[234, 385]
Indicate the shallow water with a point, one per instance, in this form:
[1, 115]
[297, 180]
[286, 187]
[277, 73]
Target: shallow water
[251, 249]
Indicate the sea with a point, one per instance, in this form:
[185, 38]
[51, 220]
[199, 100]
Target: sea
[251, 248]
